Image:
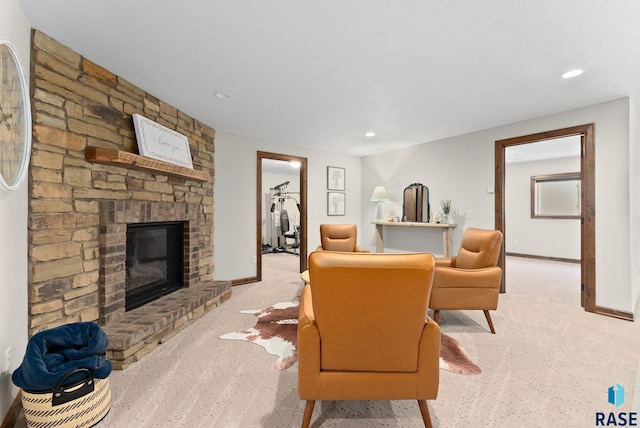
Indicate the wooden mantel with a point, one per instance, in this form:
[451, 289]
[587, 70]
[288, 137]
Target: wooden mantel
[134, 161]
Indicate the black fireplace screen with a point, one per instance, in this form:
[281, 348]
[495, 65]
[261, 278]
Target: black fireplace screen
[154, 261]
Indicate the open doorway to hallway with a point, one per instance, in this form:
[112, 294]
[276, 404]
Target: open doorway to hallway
[281, 201]
[586, 133]
[542, 203]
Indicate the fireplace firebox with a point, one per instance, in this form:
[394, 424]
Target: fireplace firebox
[154, 261]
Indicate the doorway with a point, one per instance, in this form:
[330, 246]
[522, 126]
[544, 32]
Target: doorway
[587, 205]
[542, 200]
[260, 217]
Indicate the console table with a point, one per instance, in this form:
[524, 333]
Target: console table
[446, 233]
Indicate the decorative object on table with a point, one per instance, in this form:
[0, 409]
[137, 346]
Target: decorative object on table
[392, 217]
[161, 143]
[276, 331]
[15, 119]
[446, 210]
[379, 195]
[336, 202]
[335, 178]
[64, 377]
[415, 206]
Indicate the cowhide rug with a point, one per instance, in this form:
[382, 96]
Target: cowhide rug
[277, 332]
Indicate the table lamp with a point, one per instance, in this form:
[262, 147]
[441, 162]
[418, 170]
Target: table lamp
[379, 194]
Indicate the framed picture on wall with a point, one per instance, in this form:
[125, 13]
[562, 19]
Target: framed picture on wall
[335, 178]
[336, 202]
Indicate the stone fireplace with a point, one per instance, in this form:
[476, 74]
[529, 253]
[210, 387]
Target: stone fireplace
[134, 333]
[87, 184]
[116, 217]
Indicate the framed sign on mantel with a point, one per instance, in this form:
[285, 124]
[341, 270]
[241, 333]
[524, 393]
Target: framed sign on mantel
[159, 142]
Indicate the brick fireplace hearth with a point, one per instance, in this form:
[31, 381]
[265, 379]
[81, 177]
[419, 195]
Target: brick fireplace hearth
[79, 208]
[135, 333]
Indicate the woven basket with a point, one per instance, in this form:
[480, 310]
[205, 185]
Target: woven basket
[81, 405]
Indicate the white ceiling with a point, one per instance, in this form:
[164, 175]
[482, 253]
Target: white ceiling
[322, 73]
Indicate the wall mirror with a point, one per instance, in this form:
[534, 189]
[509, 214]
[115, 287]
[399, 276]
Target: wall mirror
[415, 206]
[556, 195]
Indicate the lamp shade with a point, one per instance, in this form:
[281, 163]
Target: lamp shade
[379, 194]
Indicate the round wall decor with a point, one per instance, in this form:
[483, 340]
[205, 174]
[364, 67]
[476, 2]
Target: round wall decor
[15, 119]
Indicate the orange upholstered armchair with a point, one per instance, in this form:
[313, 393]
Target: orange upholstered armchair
[470, 280]
[369, 312]
[339, 237]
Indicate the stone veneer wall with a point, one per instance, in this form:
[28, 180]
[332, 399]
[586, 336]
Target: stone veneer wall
[77, 104]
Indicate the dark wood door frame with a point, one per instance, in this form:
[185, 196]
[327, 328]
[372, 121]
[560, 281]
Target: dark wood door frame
[303, 207]
[588, 225]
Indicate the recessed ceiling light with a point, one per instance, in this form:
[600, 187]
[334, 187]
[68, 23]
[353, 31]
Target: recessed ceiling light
[295, 164]
[370, 134]
[572, 73]
[222, 95]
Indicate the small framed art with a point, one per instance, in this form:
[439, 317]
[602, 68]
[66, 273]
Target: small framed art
[335, 178]
[336, 202]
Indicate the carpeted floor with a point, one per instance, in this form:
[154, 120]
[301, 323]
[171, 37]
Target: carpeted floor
[549, 365]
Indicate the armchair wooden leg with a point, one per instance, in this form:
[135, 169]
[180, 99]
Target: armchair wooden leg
[424, 410]
[488, 317]
[308, 411]
[436, 314]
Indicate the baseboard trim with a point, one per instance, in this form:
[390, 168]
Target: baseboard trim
[627, 316]
[553, 259]
[241, 281]
[13, 414]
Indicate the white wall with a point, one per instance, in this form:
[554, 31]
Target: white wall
[15, 28]
[235, 198]
[634, 199]
[538, 236]
[460, 168]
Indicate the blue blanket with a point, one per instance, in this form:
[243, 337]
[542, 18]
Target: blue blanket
[53, 353]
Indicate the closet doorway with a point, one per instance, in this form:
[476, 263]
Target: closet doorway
[275, 199]
[587, 201]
